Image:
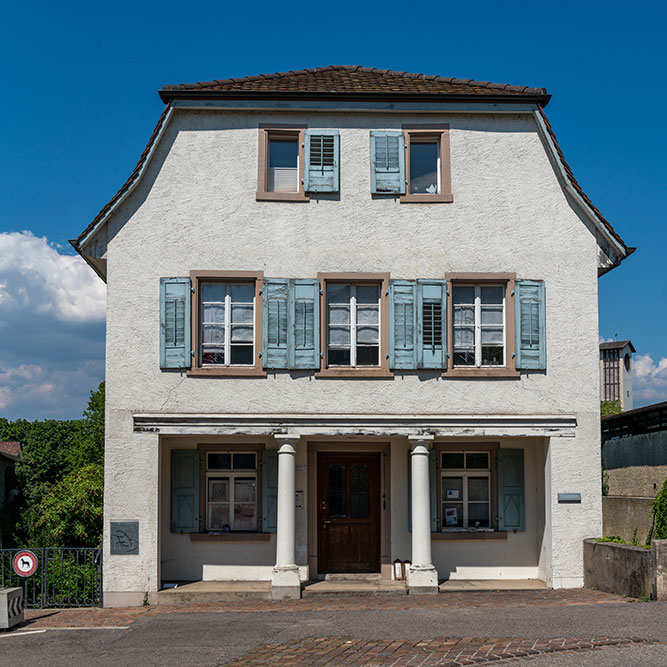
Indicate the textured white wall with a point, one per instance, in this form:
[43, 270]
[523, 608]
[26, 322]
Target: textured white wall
[196, 209]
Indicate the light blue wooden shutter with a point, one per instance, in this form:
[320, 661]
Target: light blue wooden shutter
[432, 329]
[511, 491]
[275, 323]
[305, 332]
[175, 318]
[387, 163]
[269, 490]
[402, 324]
[322, 156]
[530, 325]
[433, 481]
[184, 491]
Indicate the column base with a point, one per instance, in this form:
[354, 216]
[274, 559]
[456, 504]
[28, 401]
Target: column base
[285, 583]
[423, 580]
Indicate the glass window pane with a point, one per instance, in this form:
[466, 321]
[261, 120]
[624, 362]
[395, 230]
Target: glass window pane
[283, 153]
[464, 315]
[452, 515]
[245, 516]
[463, 294]
[245, 490]
[492, 356]
[213, 356]
[213, 312]
[492, 314]
[242, 314]
[243, 292]
[218, 516]
[368, 356]
[359, 492]
[452, 489]
[338, 293]
[478, 488]
[492, 336]
[242, 355]
[339, 357]
[452, 460]
[219, 461]
[339, 335]
[368, 293]
[339, 314]
[213, 291]
[464, 358]
[337, 490]
[477, 460]
[218, 490]
[244, 461]
[478, 515]
[492, 294]
[242, 333]
[367, 314]
[367, 335]
[213, 334]
[464, 337]
[424, 167]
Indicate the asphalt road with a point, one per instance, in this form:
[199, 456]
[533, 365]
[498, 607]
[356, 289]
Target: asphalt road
[214, 638]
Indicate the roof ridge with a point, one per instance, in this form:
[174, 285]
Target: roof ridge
[359, 68]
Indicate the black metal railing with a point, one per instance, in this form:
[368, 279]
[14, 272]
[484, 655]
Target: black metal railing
[650, 419]
[65, 577]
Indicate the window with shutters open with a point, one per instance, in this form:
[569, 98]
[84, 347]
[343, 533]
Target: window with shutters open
[281, 163]
[227, 323]
[427, 164]
[481, 337]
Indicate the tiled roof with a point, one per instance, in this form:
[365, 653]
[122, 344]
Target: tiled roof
[12, 450]
[354, 79]
[617, 345]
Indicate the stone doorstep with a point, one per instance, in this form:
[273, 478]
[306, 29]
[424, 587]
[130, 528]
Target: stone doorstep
[215, 591]
[378, 587]
[353, 576]
[463, 585]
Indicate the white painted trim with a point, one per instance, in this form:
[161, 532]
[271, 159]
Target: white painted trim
[546, 135]
[411, 426]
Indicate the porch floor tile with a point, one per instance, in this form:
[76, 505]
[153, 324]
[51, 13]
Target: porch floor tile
[215, 591]
[492, 585]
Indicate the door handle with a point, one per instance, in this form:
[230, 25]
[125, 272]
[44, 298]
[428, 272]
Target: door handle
[325, 523]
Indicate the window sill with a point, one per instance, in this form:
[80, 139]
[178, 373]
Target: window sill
[442, 198]
[501, 372]
[231, 537]
[247, 371]
[281, 196]
[470, 535]
[354, 373]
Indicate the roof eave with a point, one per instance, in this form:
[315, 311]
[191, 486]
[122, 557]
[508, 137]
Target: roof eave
[167, 95]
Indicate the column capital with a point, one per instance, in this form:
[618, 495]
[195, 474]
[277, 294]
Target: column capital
[424, 440]
[287, 438]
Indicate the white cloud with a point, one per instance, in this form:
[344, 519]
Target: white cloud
[649, 380]
[34, 276]
[5, 397]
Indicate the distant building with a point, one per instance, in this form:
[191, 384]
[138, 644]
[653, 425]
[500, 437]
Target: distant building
[616, 372]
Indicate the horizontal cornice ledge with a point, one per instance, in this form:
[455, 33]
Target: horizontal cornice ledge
[357, 425]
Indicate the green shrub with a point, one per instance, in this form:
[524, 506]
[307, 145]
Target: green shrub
[608, 408]
[659, 529]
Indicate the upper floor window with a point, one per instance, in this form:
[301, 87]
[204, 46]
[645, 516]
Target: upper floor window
[428, 174]
[281, 163]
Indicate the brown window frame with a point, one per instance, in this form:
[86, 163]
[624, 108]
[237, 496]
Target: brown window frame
[492, 449]
[208, 448]
[266, 133]
[256, 277]
[381, 371]
[419, 133]
[509, 370]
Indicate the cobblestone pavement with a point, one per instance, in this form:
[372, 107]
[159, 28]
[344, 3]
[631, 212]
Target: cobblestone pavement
[59, 618]
[446, 652]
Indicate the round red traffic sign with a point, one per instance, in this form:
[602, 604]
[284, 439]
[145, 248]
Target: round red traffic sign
[25, 563]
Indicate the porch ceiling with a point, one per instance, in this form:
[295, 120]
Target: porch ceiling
[411, 426]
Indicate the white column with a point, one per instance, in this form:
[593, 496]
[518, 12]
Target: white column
[285, 584]
[422, 575]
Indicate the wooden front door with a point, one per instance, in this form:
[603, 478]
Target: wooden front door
[348, 502]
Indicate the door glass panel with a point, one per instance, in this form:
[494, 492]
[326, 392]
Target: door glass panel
[337, 491]
[359, 500]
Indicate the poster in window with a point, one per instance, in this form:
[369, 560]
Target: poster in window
[451, 516]
[452, 494]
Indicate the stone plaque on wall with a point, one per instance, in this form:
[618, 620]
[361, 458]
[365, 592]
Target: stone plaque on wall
[124, 536]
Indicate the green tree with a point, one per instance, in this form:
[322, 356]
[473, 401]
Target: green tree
[608, 408]
[71, 513]
[659, 530]
[88, 446]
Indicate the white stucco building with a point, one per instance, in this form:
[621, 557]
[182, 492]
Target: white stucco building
[352, 317]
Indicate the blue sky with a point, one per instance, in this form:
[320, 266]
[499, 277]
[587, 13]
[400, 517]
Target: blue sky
[80, 102]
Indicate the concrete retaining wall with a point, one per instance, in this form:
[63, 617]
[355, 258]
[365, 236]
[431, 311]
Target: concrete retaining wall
[625, 569]
[628, 518]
